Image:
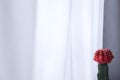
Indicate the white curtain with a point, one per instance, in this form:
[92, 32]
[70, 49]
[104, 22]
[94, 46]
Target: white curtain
[50, 39]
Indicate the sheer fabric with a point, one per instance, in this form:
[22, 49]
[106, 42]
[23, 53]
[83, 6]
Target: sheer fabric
[50, 39]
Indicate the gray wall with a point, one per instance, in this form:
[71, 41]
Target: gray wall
[112, 35]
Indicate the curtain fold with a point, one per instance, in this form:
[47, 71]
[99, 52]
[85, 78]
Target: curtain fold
[67, 33]
[17, 21]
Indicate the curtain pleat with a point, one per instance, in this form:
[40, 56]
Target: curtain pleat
[65, 39]
[17, 23]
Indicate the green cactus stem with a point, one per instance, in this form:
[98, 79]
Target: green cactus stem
[103, 72]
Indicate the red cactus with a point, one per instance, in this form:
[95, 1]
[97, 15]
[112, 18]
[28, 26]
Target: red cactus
[103, 56]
